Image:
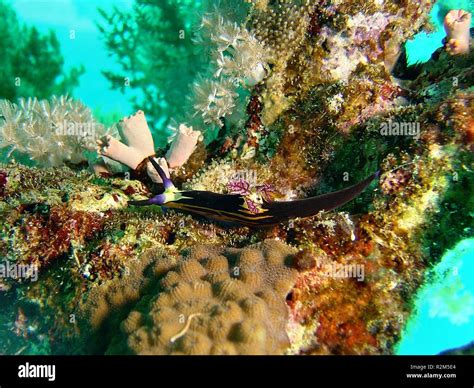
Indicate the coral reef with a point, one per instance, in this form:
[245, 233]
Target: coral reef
[313, 45]
[296, 100]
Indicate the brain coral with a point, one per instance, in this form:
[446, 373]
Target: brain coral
[214, 301]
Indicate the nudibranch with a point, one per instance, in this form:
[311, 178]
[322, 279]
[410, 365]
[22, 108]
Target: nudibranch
[234, 208]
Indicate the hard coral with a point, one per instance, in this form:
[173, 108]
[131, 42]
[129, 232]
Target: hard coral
[223, 302]
[210, 301]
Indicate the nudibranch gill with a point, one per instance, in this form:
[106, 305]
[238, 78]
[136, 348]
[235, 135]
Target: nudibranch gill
[233, 208]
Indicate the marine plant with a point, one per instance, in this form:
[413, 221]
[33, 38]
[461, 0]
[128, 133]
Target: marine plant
[31, 62]
[153, 48]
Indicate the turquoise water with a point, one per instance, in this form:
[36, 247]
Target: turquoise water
[87, 48]
[445, 306]
[421, 48]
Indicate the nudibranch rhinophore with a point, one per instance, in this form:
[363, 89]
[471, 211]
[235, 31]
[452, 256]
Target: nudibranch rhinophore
[232, 207]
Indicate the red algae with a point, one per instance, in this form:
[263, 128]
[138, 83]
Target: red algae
[51, 235]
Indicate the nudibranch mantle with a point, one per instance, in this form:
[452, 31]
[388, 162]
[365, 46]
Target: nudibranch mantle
[234, 207]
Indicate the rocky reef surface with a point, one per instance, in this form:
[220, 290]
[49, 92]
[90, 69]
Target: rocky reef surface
[323, 111]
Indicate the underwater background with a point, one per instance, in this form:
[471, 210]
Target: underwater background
[271, 100]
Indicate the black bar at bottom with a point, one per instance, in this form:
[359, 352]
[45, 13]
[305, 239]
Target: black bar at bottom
[319, 371]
